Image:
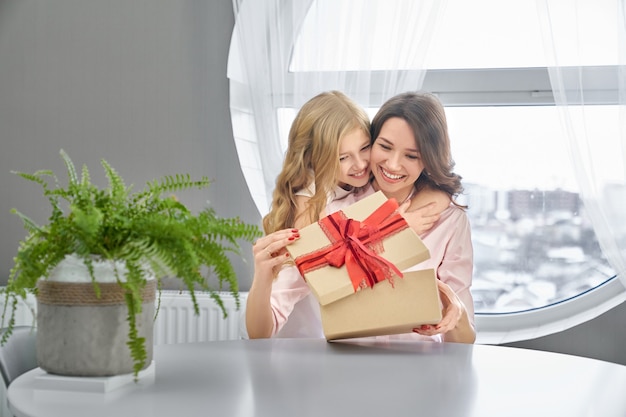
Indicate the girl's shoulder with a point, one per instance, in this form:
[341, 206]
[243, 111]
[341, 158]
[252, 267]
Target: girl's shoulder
[306, 192]
[349, 199]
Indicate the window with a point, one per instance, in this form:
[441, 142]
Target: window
[533, 243]
[537, 259]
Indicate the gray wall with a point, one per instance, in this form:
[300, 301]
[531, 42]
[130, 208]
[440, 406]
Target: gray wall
[142, 84]
[601, 338]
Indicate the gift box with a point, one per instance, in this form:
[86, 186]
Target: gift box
[390, 307]
[356, 248]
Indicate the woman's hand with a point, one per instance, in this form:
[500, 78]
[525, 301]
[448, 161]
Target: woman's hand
[270, 253]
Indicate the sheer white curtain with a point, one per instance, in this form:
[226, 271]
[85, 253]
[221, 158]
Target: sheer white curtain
[284, 52]
[597, 136]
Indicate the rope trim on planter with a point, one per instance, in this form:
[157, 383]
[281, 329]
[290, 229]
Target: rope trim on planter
[83, 293]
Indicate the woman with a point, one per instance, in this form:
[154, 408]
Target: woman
[285, 305]
[411, 155]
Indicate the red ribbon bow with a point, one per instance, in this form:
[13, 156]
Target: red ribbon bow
[357, 244]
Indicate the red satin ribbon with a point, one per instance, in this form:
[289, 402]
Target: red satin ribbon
[356, 244]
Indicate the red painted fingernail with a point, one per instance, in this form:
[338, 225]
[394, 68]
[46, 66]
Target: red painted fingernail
[291, 238]
[287, 255]
[294, 230]
[297, 235]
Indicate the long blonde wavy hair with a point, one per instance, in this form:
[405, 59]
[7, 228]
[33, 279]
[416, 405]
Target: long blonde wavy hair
[312, 157]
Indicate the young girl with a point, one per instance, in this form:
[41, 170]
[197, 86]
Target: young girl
[329, 144]
[327, 158]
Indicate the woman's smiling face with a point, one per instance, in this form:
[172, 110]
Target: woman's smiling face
[395, 160]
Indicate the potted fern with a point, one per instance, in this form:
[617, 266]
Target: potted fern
[133, 240]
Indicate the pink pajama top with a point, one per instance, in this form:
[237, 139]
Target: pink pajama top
[296, 311]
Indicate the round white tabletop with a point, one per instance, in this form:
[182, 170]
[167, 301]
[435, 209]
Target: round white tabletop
[300, 377]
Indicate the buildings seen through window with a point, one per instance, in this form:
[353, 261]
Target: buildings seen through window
[531, 248]
[534, 244]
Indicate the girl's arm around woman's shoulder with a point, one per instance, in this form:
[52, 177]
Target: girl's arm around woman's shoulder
[424, 209]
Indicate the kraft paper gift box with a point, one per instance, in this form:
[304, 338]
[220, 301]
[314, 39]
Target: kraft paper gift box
[385, 309]
[393, 246]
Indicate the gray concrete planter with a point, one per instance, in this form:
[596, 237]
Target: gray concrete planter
[79, 334]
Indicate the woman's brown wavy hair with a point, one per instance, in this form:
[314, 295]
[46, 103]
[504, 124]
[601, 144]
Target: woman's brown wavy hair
[426, 116]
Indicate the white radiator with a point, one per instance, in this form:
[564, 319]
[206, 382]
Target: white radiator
[176, 321]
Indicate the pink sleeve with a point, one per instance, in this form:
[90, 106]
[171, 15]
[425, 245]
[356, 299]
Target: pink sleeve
[451, 254]
[288, 288]
[457, 265]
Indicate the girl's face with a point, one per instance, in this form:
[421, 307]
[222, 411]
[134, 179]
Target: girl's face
[395, 160]
[354, 159]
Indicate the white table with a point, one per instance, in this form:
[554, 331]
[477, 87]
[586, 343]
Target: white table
[296, 377]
